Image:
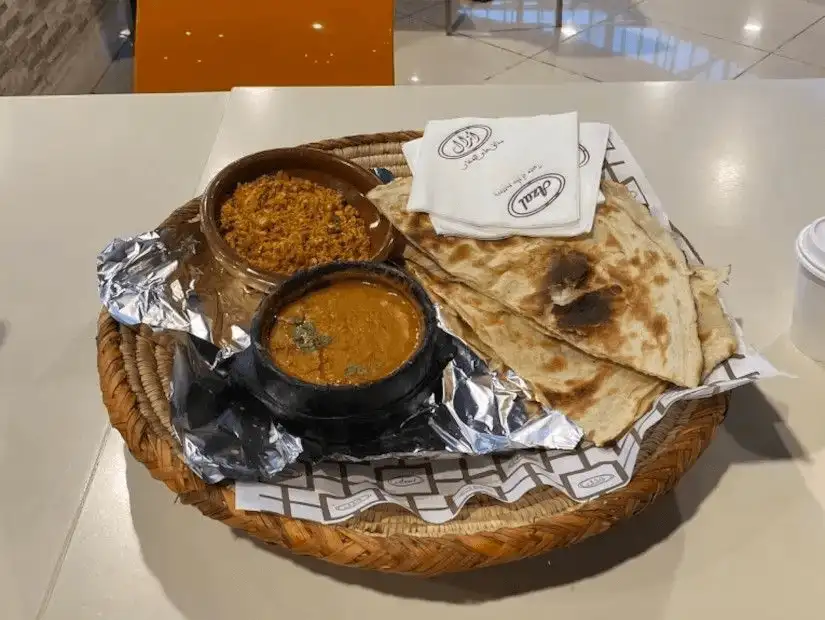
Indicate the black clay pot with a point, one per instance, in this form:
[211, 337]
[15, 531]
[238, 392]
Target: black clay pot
[352, 414]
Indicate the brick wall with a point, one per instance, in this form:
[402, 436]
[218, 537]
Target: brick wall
[38, 39]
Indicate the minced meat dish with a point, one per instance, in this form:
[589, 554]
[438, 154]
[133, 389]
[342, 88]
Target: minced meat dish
[283, 224]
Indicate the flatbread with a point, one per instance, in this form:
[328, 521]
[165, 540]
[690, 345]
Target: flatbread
[603, 398]
[459, 328]
[715, 331]
[621, 293]
[716, 335]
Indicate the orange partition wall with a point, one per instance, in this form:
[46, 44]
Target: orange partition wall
[206, 45]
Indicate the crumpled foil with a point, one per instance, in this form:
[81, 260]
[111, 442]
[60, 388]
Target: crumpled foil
[168, 279]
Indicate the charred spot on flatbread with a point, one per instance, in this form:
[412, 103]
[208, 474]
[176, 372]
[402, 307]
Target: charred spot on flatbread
[567, 274]
[569, 269]
[589, 310]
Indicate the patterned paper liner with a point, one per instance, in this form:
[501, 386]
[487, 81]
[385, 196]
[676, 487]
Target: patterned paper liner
[436, 489]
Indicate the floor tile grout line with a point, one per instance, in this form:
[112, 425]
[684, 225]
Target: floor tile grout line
[415, 12]
[489, 44]
[418, 17]
[544, 49]
[526, 60]
[541, 62]
[677, 25]
[751, 66]
[47, 597]
[550, 64]
[503, 71]
[671, 23]
[422, 20]
[776, 51]
[787, 58]
[803, 62]
[521, 57]
[720, 38]
[816, 21]
[705, 34]
[525, 29]
[698, 31]
[111, 64]
[796, 36]
[99, 17]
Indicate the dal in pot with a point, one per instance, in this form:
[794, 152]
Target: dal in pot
[350, 332]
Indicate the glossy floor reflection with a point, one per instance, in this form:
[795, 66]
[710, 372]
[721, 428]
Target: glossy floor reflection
[611, 40]
[516, 42]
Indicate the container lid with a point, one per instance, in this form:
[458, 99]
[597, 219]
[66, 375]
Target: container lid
[811, 247]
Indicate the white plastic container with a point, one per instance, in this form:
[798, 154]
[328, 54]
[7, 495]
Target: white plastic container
[808, 325]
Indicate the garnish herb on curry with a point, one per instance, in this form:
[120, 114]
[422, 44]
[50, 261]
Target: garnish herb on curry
[306, 337]
[347, 333]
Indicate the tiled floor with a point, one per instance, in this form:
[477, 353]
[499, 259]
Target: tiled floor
[516, 42]
[118, 77]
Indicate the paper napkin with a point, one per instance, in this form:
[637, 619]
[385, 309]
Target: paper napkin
[516, 173]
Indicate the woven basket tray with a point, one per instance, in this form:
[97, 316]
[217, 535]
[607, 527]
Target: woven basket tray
[135, 368]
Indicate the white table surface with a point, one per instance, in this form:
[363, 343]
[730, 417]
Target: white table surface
[74, 172]
[87, 533]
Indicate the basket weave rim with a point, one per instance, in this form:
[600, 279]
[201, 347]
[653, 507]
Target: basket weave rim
[134, 369]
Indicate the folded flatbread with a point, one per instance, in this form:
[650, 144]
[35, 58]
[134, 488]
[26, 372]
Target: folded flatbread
[621, 293]
[715, 331]
[603, 398]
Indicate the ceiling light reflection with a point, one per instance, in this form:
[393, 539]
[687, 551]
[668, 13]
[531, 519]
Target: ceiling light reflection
[729, 170]
[752, 26]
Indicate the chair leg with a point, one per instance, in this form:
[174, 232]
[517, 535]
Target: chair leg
[452, 24]
[559, 9]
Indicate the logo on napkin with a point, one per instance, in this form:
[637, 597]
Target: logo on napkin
[535, 195]
[584, 154]
[464, 141]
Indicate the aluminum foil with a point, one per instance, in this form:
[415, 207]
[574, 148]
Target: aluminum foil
[168, 279]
